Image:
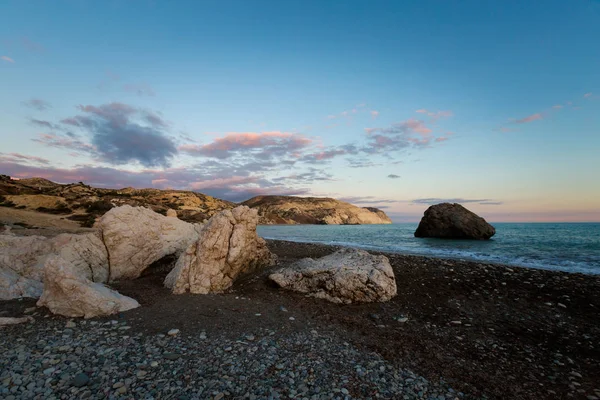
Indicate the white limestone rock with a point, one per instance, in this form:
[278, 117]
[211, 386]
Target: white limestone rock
[136, 237]
[346, 276]
[22, 260]
[227, 247]
[68, 292]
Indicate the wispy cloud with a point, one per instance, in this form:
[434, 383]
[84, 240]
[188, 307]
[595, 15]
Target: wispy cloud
[431, 201]
[435, 115]
[366, 200]
[530, 118]
[42, 123]
[263, 145]
[374, 114]
[141, 89]
[587, 95]
[37, 104]
[393, 176]
[18, 157]
[7, 59]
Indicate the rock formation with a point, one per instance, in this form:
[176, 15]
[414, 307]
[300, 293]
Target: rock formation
[227, 247]
[346, 276]
[22, 261]
[135, 237]
[453, 221]
[313, 210]
[68, 292]
[21, 265]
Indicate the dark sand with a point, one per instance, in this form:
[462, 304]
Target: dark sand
[523, 333]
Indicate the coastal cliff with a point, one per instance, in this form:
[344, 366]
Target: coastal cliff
[274, 210]
[82, 203]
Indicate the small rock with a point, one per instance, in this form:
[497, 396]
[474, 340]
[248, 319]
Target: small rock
[456, 322]
[171, 356]
[292, 319]
[70, 324]
[154, 364]
[402, 320]
[118, 385]
[562, 305]
[80, 380]
[173, 332]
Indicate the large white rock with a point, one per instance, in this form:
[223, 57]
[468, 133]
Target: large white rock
[227, 247]
[68, 292]
[346, 276]
[21, 265]
[22, 260]
[136, 237]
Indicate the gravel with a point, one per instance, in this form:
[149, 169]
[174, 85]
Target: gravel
[100, 360]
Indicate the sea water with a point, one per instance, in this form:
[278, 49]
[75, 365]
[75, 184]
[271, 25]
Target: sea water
[571, 247]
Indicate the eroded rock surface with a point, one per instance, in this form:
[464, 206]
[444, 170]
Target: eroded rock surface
[453, 221]
[68, 292]
[136, 237]
[22, 260]
[346, 276]
[227, 247]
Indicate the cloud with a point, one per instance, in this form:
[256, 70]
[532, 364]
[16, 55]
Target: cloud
[361, 163]
[530, 118]
[42, 123]
[393, 176]
[374, 114]
[587, 95]
[7, 59]
[435, 115]
[366, 200]
[263, 145]
[141, 89]
[399, 136]
[64, 142]
[218, 183]
[431, 201]
[37, 104]
[558, 106]
[329, 153]
[123, 134]
[17, 158]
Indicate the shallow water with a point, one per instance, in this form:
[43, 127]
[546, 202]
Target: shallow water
[571, 247]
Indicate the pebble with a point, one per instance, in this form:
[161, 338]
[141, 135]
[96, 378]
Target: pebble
[173, 332]
[306, 364]
[70, 324]
[80, 380]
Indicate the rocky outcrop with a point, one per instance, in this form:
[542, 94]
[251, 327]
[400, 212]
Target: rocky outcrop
[453, 221]
[22, 260]
[70, 293]
[313, 210]
[227, 247]
[21, 265]
[135, 237]
[346, 276]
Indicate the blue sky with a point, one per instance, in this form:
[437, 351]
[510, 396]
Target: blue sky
[390, 104]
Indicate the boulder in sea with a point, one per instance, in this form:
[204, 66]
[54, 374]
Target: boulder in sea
[68, 292]
[227, 247]
[135, 237]
[453, 221]
[346, 276]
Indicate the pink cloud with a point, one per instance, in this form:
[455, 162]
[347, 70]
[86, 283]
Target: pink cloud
[441, 139]
[587, 95]
[374, 114]
[422, 111]
[435, 115]
[222, 182]
[7, 59]
[18, 157]
[530, 118]
[558, 106]
[269, 142]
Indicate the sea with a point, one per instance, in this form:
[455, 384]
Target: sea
[570, 247]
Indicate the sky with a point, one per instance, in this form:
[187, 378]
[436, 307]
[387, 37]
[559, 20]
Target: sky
[388, 104]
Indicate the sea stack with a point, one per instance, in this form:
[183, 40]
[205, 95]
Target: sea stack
[453, 221]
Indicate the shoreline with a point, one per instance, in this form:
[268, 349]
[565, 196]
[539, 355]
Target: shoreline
[458, 329]
[440, 257]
